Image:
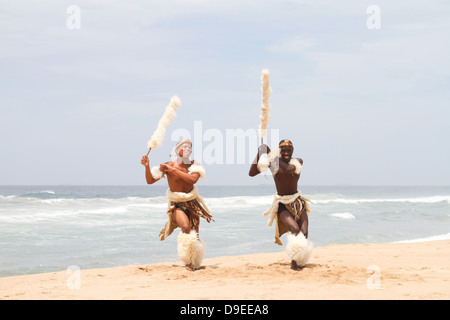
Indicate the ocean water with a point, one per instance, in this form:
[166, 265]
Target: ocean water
[50, 228]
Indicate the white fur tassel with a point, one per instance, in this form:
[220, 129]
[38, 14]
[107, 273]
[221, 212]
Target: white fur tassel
[265, 107]
[299, 248]
[156, 173]
[265, 159]
[199, 169]
[263, 163]
[158, 136]
[296, 164]
[191, 249]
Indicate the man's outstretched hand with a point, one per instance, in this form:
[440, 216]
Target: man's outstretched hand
[144, 161]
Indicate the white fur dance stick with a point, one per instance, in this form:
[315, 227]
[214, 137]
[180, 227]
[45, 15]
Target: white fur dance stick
[265, 107]
[158, 136]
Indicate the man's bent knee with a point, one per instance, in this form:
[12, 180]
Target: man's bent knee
[304, 224]
[290, 222]
[294, 229]
[305, 233]
[182, 220]
[185, 229]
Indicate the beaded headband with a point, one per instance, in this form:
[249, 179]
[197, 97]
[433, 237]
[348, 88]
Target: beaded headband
[179, 144]
[286, 143]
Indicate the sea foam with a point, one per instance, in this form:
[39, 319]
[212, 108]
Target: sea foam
[445, 236]
[343, 215]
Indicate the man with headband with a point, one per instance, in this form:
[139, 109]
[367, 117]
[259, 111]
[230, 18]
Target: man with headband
[289, 209]
[185, 207]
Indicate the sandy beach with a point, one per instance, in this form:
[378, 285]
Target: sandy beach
[358, 271]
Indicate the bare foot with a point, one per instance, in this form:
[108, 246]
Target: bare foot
[295, 266]
[190, 267]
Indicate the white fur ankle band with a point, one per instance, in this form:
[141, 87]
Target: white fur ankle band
[298, 248]
[191, 249]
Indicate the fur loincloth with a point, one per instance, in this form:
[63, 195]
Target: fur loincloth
[191, 203]
[294, 203]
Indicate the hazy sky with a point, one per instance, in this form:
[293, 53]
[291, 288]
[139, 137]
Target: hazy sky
[363, 106]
